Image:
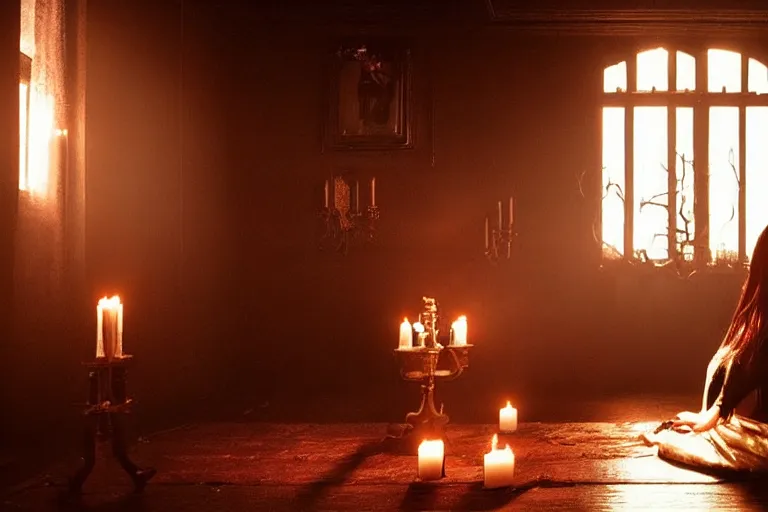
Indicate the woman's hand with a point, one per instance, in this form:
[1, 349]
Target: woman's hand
[698, 422]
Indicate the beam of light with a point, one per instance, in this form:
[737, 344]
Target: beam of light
[615, 78]
[686, 72]
[35, 175]
[685, 173]
[724, 71]
[614, 182]
[724, 183]
[651, 180]
[757, 173]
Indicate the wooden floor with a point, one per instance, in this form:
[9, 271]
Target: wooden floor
[260, 466]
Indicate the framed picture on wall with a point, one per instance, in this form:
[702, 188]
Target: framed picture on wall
[370, 97]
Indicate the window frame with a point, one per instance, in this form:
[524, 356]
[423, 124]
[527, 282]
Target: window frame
[700, 100]
[25, 78]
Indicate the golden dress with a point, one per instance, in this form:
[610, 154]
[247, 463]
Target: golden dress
[739, 442]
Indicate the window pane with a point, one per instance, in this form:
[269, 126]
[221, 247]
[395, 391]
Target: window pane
[723, 182]
[615, 78]
[41, 131]
[724, 71]
[651, 187]
[613, 182]
[23, 136]
[758, 77]
[686, 72]
[652, 70]
[757, 174]
[684, 172]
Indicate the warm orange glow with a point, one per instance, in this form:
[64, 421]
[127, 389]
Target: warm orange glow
[650, 141]
[23, 121]
[110, 303]
[35, 174]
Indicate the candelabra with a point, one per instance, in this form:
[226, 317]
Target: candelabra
[427, 362]
[344, 222]
[498, 241]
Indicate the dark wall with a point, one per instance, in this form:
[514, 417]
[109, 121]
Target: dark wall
[206, 168]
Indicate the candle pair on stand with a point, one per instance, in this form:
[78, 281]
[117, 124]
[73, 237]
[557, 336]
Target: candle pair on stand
[500, 221]
[109, 328]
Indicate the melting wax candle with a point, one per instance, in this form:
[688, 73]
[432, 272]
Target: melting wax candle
[459, 328]
[498, 466]
[508, 419]
[109, 328]
[431, 459]
[406, 334]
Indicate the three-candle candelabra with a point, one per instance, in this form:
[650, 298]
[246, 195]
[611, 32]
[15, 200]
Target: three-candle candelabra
[498, 240]
[425, 359]
[345, 221]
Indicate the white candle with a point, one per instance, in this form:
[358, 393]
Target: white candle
[460, 331]
[498, 466]
[108, 336]
[487, 234]
[373, 192]
[501, 226]
[511, 211]
[508, 419]
[326, 193]
[406, 334]
[119, 348]
[431, 460]
[421, 336]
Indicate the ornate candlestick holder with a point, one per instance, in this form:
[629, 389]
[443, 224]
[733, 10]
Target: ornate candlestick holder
[428, 363]
[105, 413]
[498, 241]
[343, 225]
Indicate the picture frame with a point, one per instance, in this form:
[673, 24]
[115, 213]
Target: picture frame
[370, 96]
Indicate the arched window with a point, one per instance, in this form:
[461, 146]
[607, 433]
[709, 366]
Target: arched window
[685, 157]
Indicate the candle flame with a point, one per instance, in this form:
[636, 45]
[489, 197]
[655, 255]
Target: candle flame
[509, 405]
[110, 303]
[495, 442]
[405, 320]
[418, 327]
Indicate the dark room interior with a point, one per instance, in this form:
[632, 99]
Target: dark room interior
[189, 147]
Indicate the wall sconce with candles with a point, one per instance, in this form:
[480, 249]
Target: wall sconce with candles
[425, 357]
[498, 240]
[108, 403]
[345, 221]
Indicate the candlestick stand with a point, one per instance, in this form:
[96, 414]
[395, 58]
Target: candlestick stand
[344, 220]
[500, 246]
[104, 417]
[427, 365]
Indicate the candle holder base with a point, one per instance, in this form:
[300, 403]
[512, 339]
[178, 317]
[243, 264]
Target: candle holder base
[427, 365]
[105, 417]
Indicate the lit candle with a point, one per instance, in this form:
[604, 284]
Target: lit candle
[511, 211]
[431, 460]
[406, 334]
[501, 226]
[326, 193]
[108, 324]
[421, 336]
[498, 466]
[373, 192]
[459, 328]
[487, 234]
[119, 348]
[508, 419]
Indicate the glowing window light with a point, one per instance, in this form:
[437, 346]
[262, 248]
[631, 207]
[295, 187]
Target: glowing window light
[757, 174]
[724, 71]
[652, 70]
[40, 132]
[757, 77]
[23, 126]
[650, 153]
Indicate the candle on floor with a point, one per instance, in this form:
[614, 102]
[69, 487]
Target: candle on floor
[107, 327]
[373, 191]
[498, 466]
[431, 460]
[507, 419]
[406, 334]
[459, 329]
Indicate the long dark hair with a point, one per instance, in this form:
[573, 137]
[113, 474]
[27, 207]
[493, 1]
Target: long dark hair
[748, 327]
